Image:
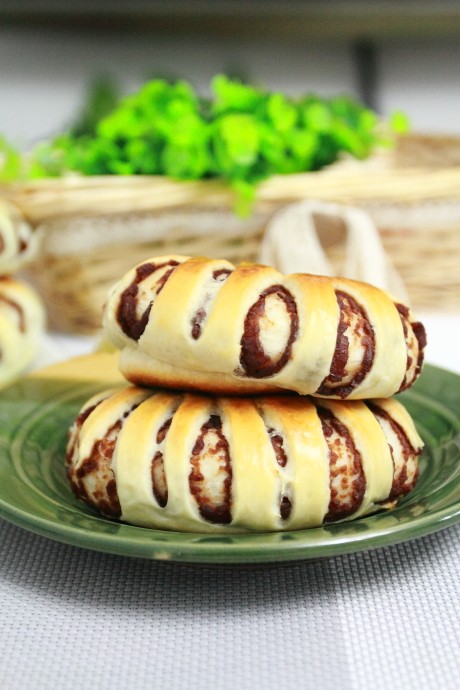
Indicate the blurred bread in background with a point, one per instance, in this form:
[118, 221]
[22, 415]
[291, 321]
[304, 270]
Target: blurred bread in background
[22, 324]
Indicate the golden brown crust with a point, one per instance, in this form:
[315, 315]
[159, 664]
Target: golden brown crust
[231, 464]
[203, 324]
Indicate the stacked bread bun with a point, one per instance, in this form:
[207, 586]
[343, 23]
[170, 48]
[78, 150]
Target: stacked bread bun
[22, 316]
[261, 402]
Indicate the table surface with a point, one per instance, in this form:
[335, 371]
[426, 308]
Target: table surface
[74, 619]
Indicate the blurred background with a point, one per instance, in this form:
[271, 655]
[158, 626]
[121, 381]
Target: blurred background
[392, 55]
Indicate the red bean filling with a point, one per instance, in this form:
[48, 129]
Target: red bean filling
[197, 321]
[99, 461]
[254, 361]
[101, 453]
[420, 335]
[132, 325]
[352, 479]
[348, 305]
[79, 421]
[217, 512]
[219, 276]
[19, 310]
[285, 508]
[159, 484]
[22, 245]
[14, 305]
[281, 458]
[277, 443]
[400, 486]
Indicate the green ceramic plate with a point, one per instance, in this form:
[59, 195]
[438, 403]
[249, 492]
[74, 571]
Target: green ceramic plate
[36, 413]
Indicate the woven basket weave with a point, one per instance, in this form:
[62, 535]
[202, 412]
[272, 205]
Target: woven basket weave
[95, 229]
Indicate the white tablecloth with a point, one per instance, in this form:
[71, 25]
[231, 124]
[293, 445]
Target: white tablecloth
[73, 619]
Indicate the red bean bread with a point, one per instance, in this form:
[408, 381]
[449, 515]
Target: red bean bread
[196, 463]
[206, 325]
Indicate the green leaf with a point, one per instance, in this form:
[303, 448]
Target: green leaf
[245, 197]
[144, 157]
[317, 116]
[281, 112]
[399, 122]
[303, 144]
[10, 162]
[231, 95]
[185, 163]
[236, 141]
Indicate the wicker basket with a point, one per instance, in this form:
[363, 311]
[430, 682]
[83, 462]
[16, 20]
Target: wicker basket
[95, 229]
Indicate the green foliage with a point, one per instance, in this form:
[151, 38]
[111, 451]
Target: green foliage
[242, 134]
[400, 122]
[10, 162]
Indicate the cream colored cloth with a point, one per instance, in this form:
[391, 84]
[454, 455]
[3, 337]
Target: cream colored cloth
[293, 244]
